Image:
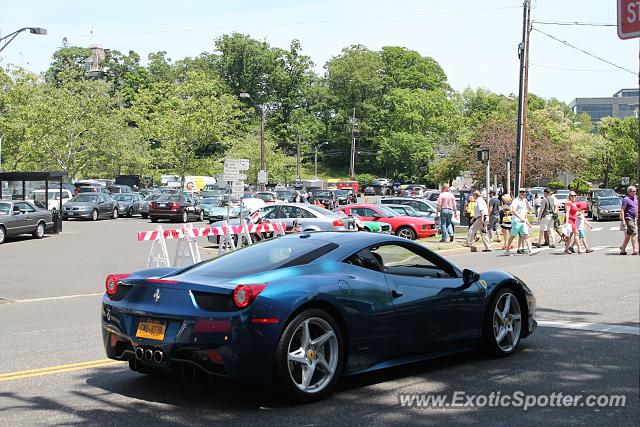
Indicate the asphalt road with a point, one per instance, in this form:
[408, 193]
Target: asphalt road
[53, 369]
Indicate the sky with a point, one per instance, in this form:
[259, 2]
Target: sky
[475, 42]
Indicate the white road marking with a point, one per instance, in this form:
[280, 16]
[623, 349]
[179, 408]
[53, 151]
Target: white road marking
[596, 229]
[595, 327]
[57, 298]
[598, 248]
[616, 228]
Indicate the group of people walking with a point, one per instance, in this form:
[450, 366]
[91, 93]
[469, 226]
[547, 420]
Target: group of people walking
[503, 218]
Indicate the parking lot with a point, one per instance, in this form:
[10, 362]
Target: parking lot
[53, 367]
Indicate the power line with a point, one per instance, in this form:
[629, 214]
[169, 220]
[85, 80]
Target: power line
[585, 24]
[566, 43]
[320, 21]
[573, 69]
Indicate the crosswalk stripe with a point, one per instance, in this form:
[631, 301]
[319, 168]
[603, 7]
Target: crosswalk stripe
[596, 229]
[614, 228]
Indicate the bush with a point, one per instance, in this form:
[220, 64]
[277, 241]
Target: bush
[555, 185]
[364, 179]
[580, 186]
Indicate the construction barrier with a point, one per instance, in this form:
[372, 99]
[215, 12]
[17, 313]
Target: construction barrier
[187, 252]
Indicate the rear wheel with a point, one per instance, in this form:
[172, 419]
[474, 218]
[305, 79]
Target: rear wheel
[130, 212]
[39, 231]
[310, 355]
[154, 219]
[201, 217]
[3, 234]
[114, 214]
[145, 216]
[503, 324]
[406, 233]
[94, 215]
[185, 216]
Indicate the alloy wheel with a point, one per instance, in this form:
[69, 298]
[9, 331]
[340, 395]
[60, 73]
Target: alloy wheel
[507, 322]
[94, 215]
[312, 355]
[2, 234]
[406, 233]
[39, 231]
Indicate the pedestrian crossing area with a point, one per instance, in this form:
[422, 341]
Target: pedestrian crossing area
[560, 249]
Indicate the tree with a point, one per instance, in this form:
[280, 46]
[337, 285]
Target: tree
[68, 63]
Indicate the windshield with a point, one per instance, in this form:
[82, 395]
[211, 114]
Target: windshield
[284, 194]
[87, 189]
[615, 201]
[170, 197]
[123, 197]
[387, 211]
[320, 193]
[5, 208]
[604, 193]
[410, 211]
[85, 198]
[562, 196]
[265, 256]
[152, 197]
[341, 192]
[211, 201]
[265, 196]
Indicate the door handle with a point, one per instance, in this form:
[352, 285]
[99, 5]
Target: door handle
[396, 294]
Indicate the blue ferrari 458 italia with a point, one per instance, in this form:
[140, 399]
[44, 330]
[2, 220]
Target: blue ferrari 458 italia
[301, 311]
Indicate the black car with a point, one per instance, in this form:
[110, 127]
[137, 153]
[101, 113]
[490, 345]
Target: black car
[175, 208]
[344, 197]
[22, 217]
[326, 197]
[596, 194]
[606, 208]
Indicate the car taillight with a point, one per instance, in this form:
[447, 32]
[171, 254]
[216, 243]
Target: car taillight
[111, 284]
[243, 295]
[338, 223]
[174, 206]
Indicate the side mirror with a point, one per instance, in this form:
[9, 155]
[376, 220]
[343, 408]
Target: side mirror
[469, 277]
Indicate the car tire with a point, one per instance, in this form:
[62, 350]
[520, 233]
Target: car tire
[594, 217]
[39, 231]
[502, 331]
[144, 216]
[3, 234]
[130, 212]
[201, 217]
[185, 216]
[154, 219]
[325, 373]
[114, 214]
[94, 215]
[406, 233]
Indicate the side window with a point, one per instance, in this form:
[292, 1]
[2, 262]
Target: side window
[103, 198]
[357, 211]
[369, 212]
[23, 207]
[401, 260]
[269, 212]
[306, 214]
[365, 259]
[290, 212]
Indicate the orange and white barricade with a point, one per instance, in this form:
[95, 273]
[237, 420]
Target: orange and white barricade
[187, 252]
[158, 256]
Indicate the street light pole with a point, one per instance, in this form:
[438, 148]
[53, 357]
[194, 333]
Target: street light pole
[315, 159]
[9, 37]
[261, 110]
[352, 161]
[521, 93]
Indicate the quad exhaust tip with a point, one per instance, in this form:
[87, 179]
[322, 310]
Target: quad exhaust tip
[139, 353]
[149, 355]
[158, 356]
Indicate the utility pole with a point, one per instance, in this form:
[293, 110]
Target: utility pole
[298, 158]
[638, 114]
[525, 111]
[352, 163]
[521, 92]
[508, 186]
[262, 113]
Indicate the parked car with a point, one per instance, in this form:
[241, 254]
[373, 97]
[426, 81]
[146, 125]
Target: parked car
[595, 194]
[326, 197]
[362, 225]
[118, 188]
[308, 217]
[23, 217]
[606, 208]
[383, 182]
[344, 197]
[404, 226]
[53, 204]
[144, 204]
[91, 206]
[128, 203]
[175, 208]
[285, 195]
[218, 209]
[267, 196]
[561, 200]
[369, 191]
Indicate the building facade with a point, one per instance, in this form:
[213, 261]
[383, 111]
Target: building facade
[623, 103]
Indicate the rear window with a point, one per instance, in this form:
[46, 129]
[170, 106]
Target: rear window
[265, 256]
[83, 198]
[5, 208]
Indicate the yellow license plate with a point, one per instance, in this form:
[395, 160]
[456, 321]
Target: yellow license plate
[151, 329]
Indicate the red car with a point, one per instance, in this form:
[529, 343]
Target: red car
[404, 226]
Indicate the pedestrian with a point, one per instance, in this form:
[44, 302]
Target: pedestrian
[537, 202]
[494, 216]
[519, 223]
[469, 211]
[446, 208]
[570, 227]
[581, 221]
[628, 220]
[546, 212]
[505, 219]
[480, 223]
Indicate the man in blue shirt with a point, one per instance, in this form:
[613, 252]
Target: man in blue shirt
[629, 219]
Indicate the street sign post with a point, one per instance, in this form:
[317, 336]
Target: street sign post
[628, 19]
[233, 176]
[262, 177]
[625, 180]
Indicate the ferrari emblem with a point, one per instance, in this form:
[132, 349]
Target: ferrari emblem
[156, 296]
[311, 354]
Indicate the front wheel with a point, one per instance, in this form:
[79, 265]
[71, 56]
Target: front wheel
[38, 233]
[145, 216]
[94, 215]
[503, 324]
[154, 219]
[130, 212]
[201, 217]
[114, 214]
[406, 233]
[185, 216]
[3, 235]
[310, 356]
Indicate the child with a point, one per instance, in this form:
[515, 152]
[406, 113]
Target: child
[581, 221]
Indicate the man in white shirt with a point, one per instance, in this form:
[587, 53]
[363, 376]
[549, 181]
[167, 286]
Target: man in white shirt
[481, 216]
[520, 222]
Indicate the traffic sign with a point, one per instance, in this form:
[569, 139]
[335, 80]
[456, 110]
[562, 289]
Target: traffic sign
[628, 19]
[229, 176]
[624, 180]
[239, 164]
[262, 177]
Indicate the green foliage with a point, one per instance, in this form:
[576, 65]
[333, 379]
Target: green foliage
[68, 63]
[555, 185]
